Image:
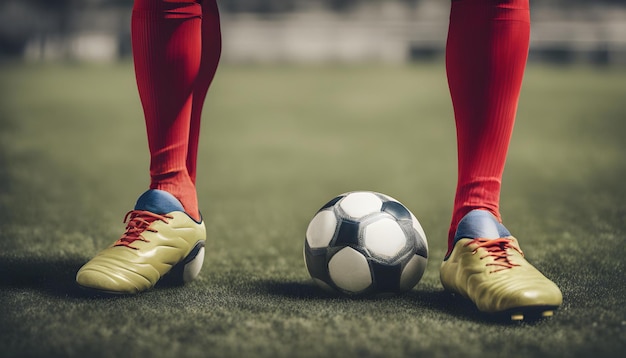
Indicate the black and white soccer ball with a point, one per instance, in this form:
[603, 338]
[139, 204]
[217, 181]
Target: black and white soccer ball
[365, 243]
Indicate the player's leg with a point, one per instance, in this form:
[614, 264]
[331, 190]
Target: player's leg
[211, 51]
[163, 234]
[485, 60]
[486, 56]
[166, 38]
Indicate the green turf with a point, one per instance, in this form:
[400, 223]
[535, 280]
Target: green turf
[278, 142]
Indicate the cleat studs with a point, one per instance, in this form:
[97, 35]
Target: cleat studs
[547, 314]
[517, 317]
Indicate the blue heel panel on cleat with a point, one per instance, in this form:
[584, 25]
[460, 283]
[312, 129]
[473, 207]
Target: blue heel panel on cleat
[158, 202]
[480, 224]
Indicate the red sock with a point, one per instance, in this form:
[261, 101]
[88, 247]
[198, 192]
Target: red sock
[167, 50]
[211, 51]
[486, 56]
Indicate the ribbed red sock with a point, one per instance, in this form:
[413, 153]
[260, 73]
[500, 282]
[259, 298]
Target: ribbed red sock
[211, 51]
[486, 56]
[167, 43]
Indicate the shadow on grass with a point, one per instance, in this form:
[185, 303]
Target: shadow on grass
[296, 290]
[455, 307]
[55, 277]
[433, 302]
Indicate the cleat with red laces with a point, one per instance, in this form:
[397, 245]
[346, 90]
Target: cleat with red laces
[160, 240]
[488, 267]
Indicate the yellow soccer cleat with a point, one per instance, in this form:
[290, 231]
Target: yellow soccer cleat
[488, 267]
[160, 239]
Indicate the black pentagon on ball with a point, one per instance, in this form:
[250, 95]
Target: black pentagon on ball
[396, 210]
[331, 202]
[386, 277]
[420, 248]
[316, 262]
[348, 233]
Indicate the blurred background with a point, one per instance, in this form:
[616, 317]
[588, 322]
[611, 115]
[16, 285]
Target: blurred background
[310, 31]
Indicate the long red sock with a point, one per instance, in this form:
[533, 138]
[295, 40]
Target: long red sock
[167, 49]
[211, 51]
[486, 56]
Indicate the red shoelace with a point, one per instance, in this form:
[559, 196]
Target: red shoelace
[496, 248]
[138, 221]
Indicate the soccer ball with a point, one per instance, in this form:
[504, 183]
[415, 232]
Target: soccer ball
[365, 243]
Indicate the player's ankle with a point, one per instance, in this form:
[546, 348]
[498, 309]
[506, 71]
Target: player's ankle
[185, 192]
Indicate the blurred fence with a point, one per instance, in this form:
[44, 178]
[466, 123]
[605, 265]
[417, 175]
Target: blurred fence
[389, 32]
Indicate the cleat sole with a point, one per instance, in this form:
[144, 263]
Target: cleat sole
[529, 313]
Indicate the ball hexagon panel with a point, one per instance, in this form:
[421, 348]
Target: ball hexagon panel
[358, 204]
[349, 270]
[321, 229]
[384, 238]
[412, 272]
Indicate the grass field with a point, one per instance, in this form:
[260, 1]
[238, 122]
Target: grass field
[276, 144]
